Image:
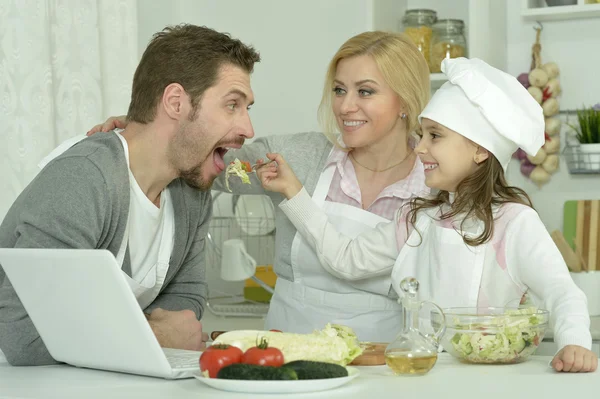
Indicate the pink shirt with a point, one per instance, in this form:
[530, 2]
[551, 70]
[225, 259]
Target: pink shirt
[344, 187]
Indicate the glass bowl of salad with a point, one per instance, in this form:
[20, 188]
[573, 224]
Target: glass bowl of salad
[494, 335]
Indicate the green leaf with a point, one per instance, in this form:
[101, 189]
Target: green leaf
[588, 131]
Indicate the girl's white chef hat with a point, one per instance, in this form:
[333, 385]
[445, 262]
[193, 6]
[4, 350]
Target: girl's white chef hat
[489, 107]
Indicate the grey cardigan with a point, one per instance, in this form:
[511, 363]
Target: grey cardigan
[81, 200]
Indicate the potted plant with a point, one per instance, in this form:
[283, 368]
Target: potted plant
[588, 135]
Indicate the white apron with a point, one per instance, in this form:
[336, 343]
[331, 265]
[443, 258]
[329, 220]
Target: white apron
[316, 297]
[456, 271]
[148, 288]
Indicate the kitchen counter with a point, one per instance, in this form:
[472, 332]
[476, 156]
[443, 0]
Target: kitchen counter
[448, 378]
[219, 323]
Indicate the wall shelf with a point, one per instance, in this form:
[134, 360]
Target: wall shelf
[485, 25]
[534, 10]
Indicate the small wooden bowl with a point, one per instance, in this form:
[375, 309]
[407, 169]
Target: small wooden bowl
[373, 354]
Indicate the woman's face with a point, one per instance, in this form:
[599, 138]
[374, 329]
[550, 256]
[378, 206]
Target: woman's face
[367, 110]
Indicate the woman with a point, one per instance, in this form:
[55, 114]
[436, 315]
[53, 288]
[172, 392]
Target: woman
[360, 171]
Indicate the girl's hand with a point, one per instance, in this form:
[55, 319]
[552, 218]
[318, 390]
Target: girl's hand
[575, 359]
[278, 176]
[114, 122]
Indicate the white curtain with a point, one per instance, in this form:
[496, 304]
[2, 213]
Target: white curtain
[65, 65]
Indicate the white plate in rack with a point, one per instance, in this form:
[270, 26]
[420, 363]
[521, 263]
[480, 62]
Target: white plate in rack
[255, 214]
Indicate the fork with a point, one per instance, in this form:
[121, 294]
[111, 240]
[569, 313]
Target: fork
[256, 165]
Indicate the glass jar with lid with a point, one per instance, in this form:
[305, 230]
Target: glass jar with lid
[448, 41]
[417, 25]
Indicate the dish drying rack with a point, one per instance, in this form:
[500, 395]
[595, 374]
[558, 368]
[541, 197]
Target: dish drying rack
[226, 298]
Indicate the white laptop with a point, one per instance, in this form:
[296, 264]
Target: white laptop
[87, 315]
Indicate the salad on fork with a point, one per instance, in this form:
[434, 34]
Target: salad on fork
[241, 169]
[238, 168]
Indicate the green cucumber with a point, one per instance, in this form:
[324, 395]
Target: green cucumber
[310, 370]
[240, 371]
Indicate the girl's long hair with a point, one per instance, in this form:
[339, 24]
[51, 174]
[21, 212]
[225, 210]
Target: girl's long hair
[476, 197]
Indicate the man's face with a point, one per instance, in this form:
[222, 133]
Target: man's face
[221, 122]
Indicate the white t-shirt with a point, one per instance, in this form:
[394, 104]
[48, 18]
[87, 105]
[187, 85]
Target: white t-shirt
[146, 225]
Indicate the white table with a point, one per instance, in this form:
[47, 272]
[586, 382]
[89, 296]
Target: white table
[448, 379]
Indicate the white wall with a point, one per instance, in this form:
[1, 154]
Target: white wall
[288, 81]
[296, 40]
[575, 46]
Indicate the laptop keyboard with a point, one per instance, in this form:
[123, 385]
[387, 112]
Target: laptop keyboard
[182, 359]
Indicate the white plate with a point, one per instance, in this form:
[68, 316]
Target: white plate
[279, 386]
[255, 214]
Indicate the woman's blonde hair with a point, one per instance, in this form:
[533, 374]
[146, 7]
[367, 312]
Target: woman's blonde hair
[400, 62]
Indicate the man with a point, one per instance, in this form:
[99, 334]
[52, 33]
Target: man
[142, 194]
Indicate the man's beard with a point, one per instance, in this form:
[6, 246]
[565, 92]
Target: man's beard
[193, 178]
[185, 146]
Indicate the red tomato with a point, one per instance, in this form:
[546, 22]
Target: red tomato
[263, 355]
[246, 166]
[215, 357]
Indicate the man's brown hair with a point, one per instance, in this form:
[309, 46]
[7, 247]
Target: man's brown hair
[186, 54]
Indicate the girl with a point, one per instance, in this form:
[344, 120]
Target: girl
[478, 242]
